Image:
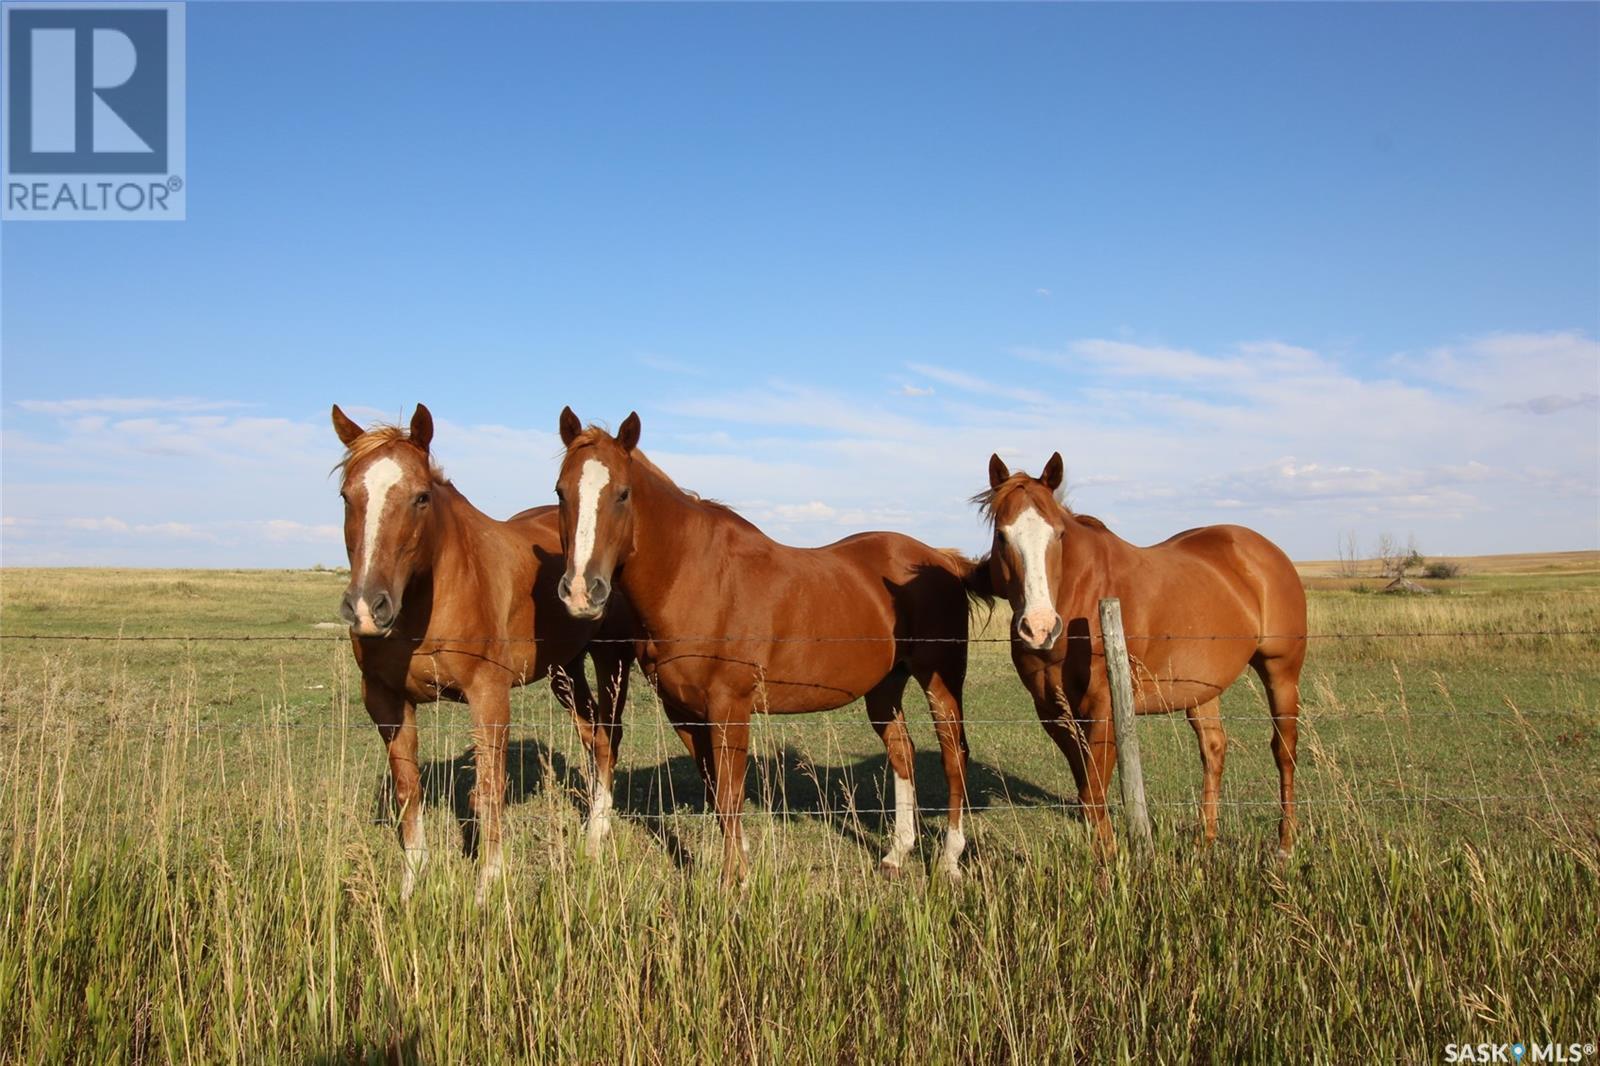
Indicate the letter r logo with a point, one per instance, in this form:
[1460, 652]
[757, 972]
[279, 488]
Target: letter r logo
[87, 90]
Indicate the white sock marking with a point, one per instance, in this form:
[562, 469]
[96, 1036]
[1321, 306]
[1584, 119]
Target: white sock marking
[599, 811]
[594, 478]
[416, 851]
[905, 821]
[955, 842]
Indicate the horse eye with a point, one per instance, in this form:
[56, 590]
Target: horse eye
[622, 496]
[422, 499]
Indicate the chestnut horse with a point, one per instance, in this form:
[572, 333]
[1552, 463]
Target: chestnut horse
[732, 622]
[445, 602]
[1198, 607]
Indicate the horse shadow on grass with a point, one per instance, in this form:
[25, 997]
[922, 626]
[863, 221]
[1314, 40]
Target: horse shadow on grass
[854, 799]
[531, 767]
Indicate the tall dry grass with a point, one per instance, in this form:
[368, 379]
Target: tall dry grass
[195, 865]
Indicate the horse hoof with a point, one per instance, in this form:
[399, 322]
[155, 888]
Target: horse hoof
[891, 870]
[486, 882]
[951, 873]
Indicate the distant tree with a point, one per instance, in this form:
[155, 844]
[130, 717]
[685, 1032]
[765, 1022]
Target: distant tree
[1395, 560]
[1349, 554]
[1412, 559]
[1387, 553]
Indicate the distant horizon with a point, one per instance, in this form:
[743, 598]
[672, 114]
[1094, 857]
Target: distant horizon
[315, 568]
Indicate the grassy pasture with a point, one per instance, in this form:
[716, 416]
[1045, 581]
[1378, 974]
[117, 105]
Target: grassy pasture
[196, 863]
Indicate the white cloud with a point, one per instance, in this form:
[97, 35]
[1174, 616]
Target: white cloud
[1297, 443]
[1512, 369]
[1549, 405]
[124, 405]
[108, 524]
[979, 386]
[287, 530]
[99, 525]
[813, 510]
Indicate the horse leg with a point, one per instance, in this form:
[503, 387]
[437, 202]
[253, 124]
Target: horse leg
[1281, 678]
[1207, 722]
[1101, 742]
[491, 722]
[611, 665]
[571, 686]
[1061, 727]
[888, 718]
[695, 737]
[396, 719]
[943, 688]
[730, 749]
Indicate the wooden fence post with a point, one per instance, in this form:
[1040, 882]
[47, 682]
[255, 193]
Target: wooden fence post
[1129, 771]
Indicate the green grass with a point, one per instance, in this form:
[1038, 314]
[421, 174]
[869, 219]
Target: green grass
[196, 864]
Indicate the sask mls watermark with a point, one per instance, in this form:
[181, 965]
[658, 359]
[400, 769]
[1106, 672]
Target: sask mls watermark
[1520, 1053]
[93, 105]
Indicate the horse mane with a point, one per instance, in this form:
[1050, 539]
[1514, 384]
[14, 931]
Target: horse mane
[380, 436]
[985, 503]
[705, 501]
[592, 434]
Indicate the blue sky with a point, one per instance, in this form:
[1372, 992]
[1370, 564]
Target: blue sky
[1308, 268]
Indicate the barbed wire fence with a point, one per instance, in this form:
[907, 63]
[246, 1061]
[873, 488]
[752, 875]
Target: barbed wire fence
[769, 732]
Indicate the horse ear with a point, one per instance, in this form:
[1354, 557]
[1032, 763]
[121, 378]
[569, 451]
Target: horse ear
[628, 435]
[346, 428]
[421, 427]
[997, 471]
[570, 427]
[1054, 473]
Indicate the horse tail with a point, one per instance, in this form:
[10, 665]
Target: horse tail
[976, 577]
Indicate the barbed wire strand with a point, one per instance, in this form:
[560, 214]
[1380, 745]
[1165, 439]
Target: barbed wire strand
[329, 638]
[819, 721]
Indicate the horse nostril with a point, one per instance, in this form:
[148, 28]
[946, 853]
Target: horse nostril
[347, 608]
[599, 591]
[564, 587]
[382, 609]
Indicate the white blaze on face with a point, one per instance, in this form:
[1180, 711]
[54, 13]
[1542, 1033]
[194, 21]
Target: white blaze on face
[1029, 535]
[382, 476]
[594, 478]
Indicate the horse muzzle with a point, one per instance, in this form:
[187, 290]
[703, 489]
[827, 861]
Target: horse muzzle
[584, 599]
[1039, 630]
[369, 613]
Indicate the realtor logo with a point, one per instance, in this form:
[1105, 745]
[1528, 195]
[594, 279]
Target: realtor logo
[94, 111]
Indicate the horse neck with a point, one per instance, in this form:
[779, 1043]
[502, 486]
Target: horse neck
[1086, 567]
[671, 531]
[451, 519]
